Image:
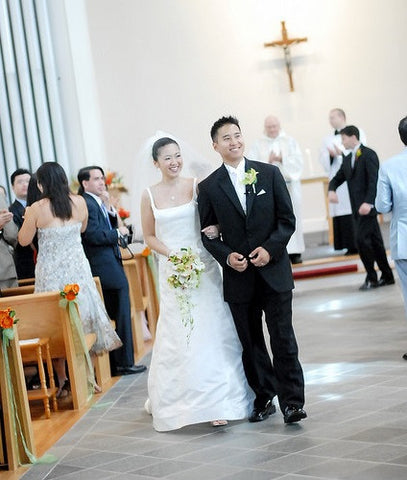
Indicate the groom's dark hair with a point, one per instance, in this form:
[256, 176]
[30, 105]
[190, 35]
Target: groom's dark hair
[220, 123]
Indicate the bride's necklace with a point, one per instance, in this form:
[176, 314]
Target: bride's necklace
[172, 192]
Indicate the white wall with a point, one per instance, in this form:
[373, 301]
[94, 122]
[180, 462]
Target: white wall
[177, 65]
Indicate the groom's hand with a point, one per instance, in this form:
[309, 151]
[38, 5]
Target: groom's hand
[237, 261]
[259, 257]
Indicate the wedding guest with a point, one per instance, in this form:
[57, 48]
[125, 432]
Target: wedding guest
[360, 169]
[391, 196]
[196, 373]
[279, 149]
[23, 256]
[8, 240]
[331, 160]
[250, 202]
[100, 241]
[58, 219]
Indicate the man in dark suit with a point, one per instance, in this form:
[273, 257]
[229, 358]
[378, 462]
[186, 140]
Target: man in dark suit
[23, 256]
[256, 221]
[100, 242]
[360, 169]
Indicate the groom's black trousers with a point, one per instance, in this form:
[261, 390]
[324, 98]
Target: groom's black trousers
[283, 376]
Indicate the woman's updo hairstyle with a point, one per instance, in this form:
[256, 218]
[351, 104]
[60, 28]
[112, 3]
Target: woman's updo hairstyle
[160, 143]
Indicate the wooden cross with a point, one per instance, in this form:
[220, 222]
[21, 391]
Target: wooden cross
[286, 44]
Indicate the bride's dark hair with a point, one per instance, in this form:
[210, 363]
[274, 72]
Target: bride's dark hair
[160, 143]
[54, 183]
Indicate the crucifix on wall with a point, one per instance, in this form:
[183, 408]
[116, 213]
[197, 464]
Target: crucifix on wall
[286, 43]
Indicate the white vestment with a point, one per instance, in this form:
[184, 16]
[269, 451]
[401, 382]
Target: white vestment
[291, 168]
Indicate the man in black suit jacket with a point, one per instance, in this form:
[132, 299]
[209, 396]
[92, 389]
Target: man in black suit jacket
[256, 222]
[23, 256]
[360, 169]
[100, 242]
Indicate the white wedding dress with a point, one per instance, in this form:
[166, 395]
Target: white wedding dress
[203, 379]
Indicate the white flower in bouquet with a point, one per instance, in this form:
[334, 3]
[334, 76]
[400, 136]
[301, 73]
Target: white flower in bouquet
[186, 268]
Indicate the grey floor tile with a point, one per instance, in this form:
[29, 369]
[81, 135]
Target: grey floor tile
[205, 472]
[337, 469]
[255, 475]
[96, 458]
[129, 464]
[293, 463]
[86, 474]
[380, 472]
[163, 469]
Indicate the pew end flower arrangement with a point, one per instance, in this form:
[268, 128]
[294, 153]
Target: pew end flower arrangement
[69, 300]
[7, 320]
[186, 269]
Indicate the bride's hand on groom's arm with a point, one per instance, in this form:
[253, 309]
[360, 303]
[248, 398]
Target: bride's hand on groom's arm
[211, 231]
[237, 261]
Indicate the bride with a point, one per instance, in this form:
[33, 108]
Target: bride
[195, 375]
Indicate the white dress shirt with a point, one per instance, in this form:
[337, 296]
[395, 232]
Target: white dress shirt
[237, 176]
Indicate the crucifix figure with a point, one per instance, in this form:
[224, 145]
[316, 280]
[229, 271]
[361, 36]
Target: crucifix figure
[286, 44]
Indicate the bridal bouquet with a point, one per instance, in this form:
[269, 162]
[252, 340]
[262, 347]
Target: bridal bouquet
[186, 268]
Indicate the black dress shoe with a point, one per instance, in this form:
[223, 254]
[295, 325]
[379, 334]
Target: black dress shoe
[130, 370]
[405, 356]
[294, 414]
[260, 414]
[368, 285]
[383, 282]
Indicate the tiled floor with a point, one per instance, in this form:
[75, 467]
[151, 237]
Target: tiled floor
[351, 344]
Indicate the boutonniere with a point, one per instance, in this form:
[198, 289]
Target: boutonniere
[250, 178]
[358, 153]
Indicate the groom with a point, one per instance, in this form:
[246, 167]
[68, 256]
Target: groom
[251, 204]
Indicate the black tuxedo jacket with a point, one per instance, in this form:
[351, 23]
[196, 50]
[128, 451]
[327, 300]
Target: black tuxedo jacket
[269, 222]
[100, 245]
[23, 256]
[361, 179]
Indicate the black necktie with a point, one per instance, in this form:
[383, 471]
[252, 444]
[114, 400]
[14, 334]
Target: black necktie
[337, 132]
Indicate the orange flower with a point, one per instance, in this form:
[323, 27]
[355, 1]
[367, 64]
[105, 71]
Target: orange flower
[109, 178]
[146, 252]
[70, 296]
[123, 214]
[70, 291]
[6, 318]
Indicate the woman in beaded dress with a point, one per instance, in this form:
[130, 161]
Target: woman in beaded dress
[58, 219]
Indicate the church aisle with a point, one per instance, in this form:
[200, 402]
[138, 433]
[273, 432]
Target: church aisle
[351, 345]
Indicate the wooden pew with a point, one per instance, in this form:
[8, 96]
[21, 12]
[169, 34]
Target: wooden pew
[12, 291]
[149, 291]
[138, 304]
[101, 362]
[41, 316]
[13, 444]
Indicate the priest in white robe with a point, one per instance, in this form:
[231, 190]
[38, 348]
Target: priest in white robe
[279, 149]
[331, 160]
